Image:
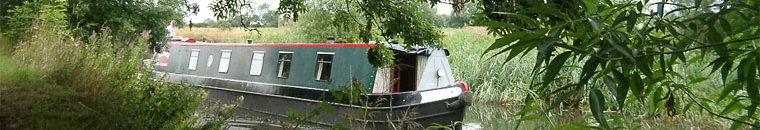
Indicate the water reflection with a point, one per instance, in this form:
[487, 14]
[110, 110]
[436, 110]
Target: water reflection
[480, 116]
[486, 116]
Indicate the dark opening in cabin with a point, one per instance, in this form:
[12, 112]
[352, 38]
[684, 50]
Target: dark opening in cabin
[324, 66]
[404, 74]
[283, 66]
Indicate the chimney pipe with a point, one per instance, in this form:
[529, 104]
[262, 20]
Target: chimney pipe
[330, 39]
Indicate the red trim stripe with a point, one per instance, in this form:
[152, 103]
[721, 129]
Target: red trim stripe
[276, 44]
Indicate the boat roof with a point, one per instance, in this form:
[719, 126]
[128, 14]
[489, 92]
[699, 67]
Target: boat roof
[274, 44]
[398, 48]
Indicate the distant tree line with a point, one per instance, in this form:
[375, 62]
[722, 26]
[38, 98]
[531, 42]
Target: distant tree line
[465, 17]
[260, 16]
[125, 18]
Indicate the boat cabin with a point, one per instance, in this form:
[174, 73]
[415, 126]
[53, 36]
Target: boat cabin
[313, 66]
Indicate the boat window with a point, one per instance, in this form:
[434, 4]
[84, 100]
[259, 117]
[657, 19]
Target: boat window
[193, 59]
[257, 62]
[283, 64]
[224, 62]
[324, 64]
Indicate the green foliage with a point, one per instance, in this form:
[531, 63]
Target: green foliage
[224, 25]
[213, 117]
[290, 9]
[21, 17]
[55, 81]
[256, 17]
[329, 18]
[380, 56]
[5, 6]
[126, 18]
[632, 46]
[403, 20]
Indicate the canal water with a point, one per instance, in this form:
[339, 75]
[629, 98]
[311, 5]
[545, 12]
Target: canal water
[479, 116]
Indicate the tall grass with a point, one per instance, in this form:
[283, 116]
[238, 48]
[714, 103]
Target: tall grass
[490, 78]
[56, 81]
[239, 35]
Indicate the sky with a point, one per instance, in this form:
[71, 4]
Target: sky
[206, 13]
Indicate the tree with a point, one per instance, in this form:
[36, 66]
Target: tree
[126, 18]
[400, 20]
[327, 18]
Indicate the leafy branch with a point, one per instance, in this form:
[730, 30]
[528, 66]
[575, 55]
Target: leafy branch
[656, 53]
[689, 94]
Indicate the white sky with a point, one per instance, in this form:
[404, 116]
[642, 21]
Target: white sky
[206, 13]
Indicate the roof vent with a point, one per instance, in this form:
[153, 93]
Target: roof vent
[330, 39]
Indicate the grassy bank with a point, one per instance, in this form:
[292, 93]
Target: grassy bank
[55, 81]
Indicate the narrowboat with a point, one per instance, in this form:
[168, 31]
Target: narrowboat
[275, 79]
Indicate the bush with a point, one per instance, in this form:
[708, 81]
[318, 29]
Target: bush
[55, 81]
[328, 18]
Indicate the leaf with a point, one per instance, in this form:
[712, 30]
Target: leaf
[326, 106]
[644, 68]
[548, 11]
[731, 87]
[529, 117]
[751, 87]
[622, 91]
[655, 100]
[621, 49]
[589, 69]
[544, 51]
[597, 26]
[554, 67]
[725, 25]
[590, 7]
[526, 19]
[631, 19]
[503, 41]
[697, 3]
[596, 102]
[638, 86]
[731, 107]
[611, 85]
[737, 125]
[562, 98]
[620, 18]
[497, 24]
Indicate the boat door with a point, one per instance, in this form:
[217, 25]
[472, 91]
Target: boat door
[404, 73]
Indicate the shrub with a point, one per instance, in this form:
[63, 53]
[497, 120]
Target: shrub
[55, 81]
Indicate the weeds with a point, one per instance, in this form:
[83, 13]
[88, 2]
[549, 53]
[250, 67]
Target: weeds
[54, 81]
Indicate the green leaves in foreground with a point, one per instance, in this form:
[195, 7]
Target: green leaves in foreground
[596, 103]
[624, 47]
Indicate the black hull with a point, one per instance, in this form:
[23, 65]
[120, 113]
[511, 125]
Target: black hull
[272, 101]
